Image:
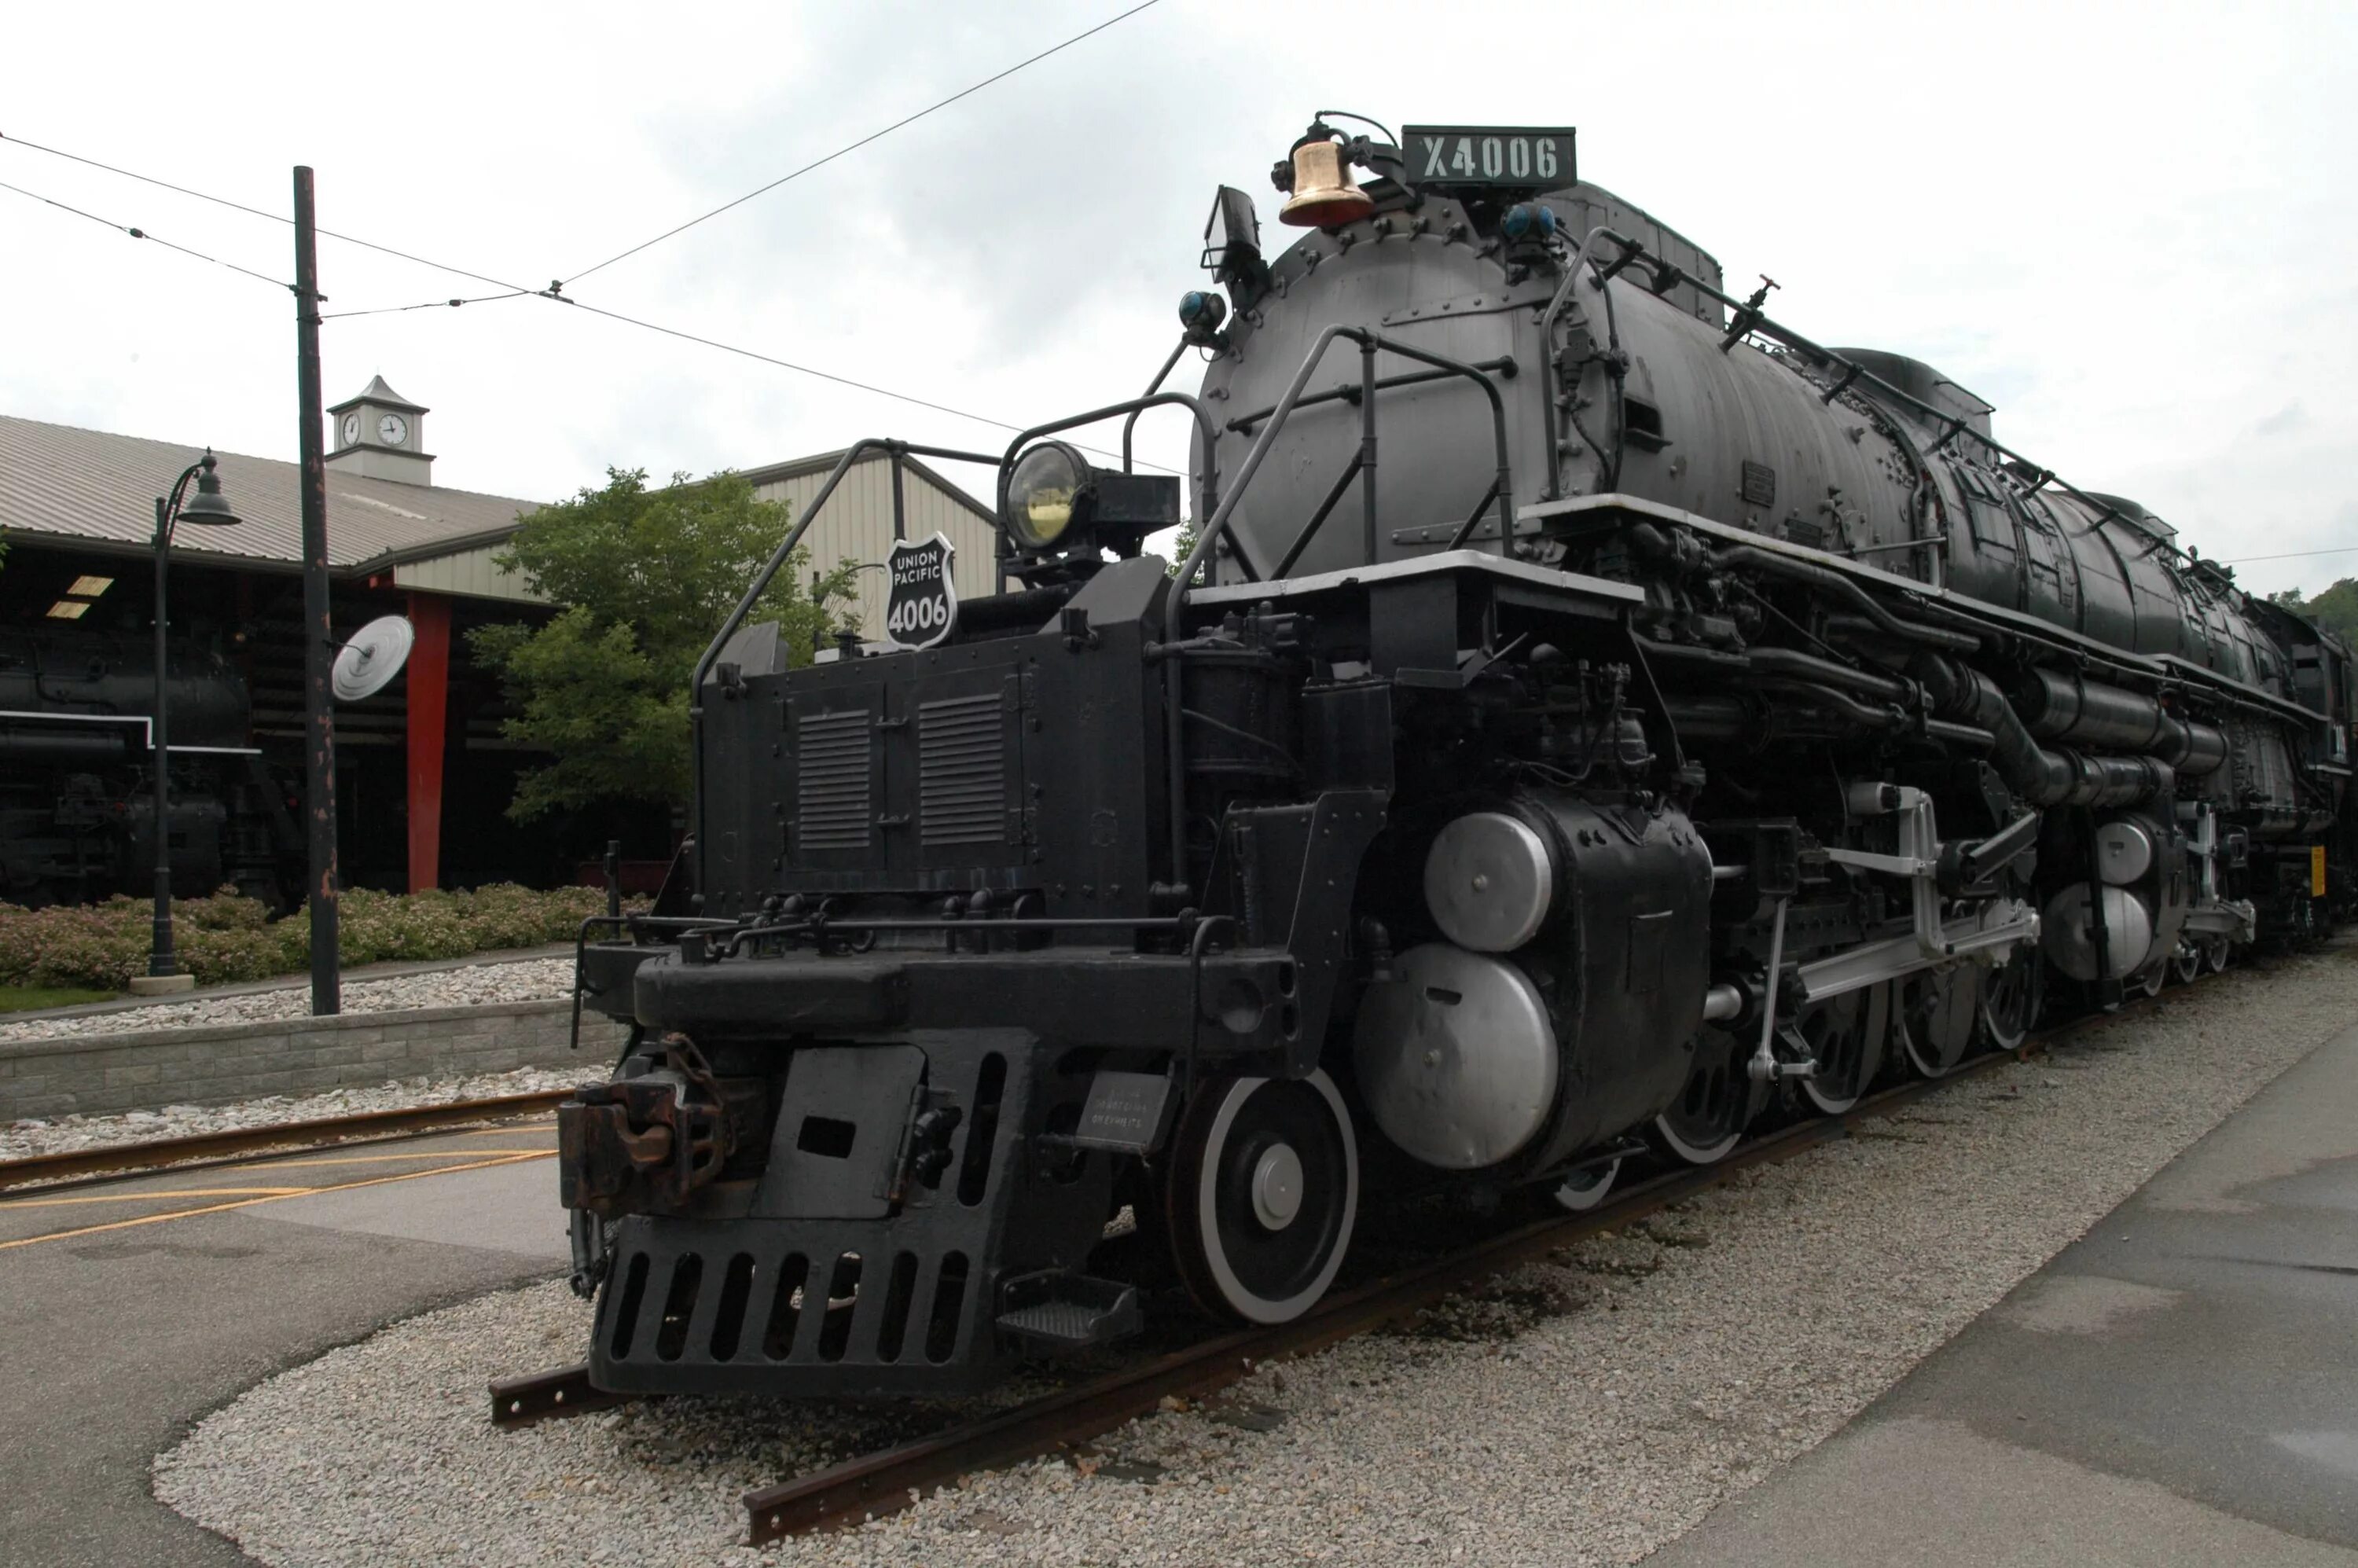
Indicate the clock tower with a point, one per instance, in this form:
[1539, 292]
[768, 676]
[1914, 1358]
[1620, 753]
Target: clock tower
[380, 435]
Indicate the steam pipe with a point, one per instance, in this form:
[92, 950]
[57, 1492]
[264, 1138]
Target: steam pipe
[2039, 776]
[1792, 662]
[1836, 583]
[1788, 663]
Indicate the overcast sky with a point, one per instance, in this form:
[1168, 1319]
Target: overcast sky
[2132, 229]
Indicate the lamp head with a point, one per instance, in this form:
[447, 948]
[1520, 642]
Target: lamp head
[209, 506]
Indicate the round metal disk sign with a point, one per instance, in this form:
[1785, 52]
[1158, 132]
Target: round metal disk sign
[366, 665]
[923, 609]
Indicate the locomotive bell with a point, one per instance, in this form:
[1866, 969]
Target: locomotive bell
[1324, 194]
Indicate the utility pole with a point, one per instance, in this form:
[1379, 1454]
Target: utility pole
[319, 634]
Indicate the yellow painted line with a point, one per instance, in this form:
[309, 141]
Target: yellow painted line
[168, 1192]
[514, 1158]
[382, 1159]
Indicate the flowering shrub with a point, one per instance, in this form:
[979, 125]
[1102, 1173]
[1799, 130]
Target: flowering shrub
[227, 936]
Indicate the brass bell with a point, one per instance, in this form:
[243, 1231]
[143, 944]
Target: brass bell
[1324, 196]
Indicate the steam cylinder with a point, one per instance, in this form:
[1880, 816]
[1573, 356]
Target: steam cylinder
[1577, 1030]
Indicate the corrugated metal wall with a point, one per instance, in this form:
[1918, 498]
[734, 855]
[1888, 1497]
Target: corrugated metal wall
[858, 526]
[470, 572]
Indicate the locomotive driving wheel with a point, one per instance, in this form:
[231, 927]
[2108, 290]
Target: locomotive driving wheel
[1262, 1194]
[1845, 1035]
[2012, 995]
[1937, 1010]
[2186, 964]
[1717, 1103]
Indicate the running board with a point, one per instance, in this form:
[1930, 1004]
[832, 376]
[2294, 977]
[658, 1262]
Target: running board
[2002, 923]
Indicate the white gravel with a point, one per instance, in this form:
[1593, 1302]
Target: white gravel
[1585, 1410]
[33, 1136]
[523, 979]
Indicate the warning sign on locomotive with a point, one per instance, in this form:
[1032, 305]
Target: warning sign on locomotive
[923, 609]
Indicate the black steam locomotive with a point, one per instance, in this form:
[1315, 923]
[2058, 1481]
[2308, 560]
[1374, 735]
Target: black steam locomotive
[1591, 717]
[77, 775]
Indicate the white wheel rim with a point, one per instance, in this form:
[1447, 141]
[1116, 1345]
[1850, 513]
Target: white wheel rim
[1584, 1189]
[1233, 1291]
[1828, 1105]
[1696, 1153]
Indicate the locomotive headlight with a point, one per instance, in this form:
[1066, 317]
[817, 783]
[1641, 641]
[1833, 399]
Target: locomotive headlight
[1055, 506]
[1049, 492]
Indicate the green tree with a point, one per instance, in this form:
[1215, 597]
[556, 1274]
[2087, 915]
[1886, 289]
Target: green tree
[646, 576]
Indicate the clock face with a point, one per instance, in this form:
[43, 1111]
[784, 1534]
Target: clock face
[393, 430]
[352, 429]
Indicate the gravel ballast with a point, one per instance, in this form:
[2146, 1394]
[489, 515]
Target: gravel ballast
[1584, 1409]
[472, 985]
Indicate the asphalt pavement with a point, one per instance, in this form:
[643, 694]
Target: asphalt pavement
[130, 1310]
[2178, 1386]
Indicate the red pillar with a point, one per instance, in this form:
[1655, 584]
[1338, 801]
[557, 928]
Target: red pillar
[429, 699]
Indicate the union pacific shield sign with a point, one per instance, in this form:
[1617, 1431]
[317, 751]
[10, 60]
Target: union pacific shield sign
[923, 609]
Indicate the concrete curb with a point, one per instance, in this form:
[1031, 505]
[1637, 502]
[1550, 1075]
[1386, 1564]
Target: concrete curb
[95, 1075]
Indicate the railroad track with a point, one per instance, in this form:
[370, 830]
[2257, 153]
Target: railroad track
[870, 1485]
[202, 1150]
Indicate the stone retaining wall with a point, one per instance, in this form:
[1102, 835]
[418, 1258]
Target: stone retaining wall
[95, 1074]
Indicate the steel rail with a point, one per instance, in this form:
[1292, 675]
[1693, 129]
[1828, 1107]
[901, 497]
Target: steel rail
[861, 1488]
[199, 1151]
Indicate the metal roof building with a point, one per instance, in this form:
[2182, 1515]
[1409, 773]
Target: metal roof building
[858, 523]
[97, 489]
[78, 510]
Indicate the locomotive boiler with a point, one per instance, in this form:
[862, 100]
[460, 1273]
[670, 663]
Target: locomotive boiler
[1591, 717]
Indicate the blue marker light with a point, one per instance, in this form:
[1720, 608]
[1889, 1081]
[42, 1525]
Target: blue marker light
[1528, 220]
[1199, 307]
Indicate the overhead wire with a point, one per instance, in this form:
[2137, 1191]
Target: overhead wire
[139, 233]
[257, 212]
[510, 292]
[813, 371]
[2287, 555]
[428, 304]
[855, 146]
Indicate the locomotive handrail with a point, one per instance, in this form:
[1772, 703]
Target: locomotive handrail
[1130, 424]
[1370, 343]
[1207, 537]
[852, 454]
[1351, 391]
[1556, 304]
[761, 580]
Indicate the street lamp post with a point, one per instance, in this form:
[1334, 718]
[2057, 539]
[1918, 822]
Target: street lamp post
[208, 508]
